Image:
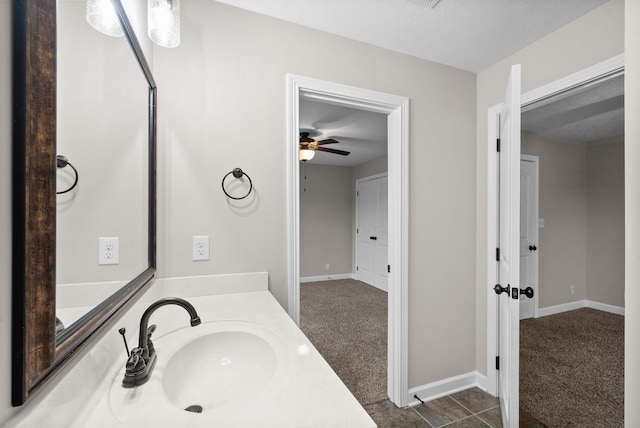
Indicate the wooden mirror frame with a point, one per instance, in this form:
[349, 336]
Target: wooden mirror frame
[37, 353]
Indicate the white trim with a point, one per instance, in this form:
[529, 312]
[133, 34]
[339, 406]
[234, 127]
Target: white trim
[371, 177]
[578, 304]
[492, 244]
[565, 307]
[397, 109]
[536, 231]
[444, 387]
[327, 277]
[618, 310]
[608, 67]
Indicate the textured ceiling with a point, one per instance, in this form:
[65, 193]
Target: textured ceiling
[588, 113]
[362, 133]
[466, 34]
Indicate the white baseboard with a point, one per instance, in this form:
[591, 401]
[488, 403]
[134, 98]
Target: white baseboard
[327, 277]
[605, 307]
[565, 307]
[557, 309]
[441, 388]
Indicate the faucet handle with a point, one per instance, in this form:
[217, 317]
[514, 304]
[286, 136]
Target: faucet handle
[150, 347]
[152, 329]
[135, 362]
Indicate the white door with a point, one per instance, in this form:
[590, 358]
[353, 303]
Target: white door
[366, 224]
[372, 231]
[528, 234]
[509, 241]
[381, 279]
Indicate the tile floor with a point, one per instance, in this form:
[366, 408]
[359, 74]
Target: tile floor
[472, 408]
[465, 409]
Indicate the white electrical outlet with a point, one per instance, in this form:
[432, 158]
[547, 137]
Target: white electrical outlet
[200, 248]
[327, 266]
[573, 289]
[108, 251]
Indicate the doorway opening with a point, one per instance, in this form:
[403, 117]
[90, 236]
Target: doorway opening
[397, 110]
[605, 71]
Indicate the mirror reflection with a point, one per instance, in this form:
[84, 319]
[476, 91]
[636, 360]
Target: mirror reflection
[102, 116]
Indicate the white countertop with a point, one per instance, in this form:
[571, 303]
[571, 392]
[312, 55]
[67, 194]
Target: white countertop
[307, 392]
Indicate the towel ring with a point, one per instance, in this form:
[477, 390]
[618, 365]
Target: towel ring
[61, 162]
[237, 173]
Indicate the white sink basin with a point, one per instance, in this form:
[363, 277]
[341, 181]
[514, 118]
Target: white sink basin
[218, 368]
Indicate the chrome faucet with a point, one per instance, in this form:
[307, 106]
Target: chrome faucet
[142, 359]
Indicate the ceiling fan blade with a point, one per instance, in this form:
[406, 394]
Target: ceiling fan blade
[327, 141]
[334, 151]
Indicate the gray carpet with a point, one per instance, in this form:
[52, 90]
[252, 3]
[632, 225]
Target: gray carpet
[346, 320]
[572, 369]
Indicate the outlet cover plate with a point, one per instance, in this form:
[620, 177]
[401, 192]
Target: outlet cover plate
[200, 248]
[108, 250]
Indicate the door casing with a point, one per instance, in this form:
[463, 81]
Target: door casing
[610, 67]
[397, 110]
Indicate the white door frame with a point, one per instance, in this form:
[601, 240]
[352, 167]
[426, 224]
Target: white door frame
[536, 165]
[610, 67]
[397, 109]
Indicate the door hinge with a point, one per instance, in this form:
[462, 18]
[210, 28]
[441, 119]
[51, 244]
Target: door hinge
[357, 268]
[497, 362]
[498, 144]
[357, 230]
[357, 193]
[497, 254]
[388, 268]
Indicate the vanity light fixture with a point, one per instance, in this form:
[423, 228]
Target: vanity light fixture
[306, 154]
[102, 16]
[163, 22]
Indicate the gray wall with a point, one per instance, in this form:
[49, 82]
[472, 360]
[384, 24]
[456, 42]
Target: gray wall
[605, 221]
[555, 56]
[582, 203]
[325, 220]
[325, 208]
[563, 205]
[225, 107]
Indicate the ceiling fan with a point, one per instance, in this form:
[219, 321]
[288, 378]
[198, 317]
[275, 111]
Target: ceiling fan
[308, 147]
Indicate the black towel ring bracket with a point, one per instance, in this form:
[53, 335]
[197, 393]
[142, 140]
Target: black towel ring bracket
[237, 173]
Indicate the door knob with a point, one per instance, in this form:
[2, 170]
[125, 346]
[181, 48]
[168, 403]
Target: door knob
[373, 238]
[500, 289]
[527, 292]
[532, 248]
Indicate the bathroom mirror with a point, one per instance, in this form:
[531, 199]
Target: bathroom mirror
[101, 116]
[38, 353]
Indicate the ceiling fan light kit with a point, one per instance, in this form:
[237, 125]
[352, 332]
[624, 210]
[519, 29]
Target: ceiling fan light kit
[306, 154]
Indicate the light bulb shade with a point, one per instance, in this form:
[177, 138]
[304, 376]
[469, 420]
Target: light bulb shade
[102, 16]
[306, 154]
[163, 22]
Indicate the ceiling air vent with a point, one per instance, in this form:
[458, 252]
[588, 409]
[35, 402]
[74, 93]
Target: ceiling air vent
[431, 3]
